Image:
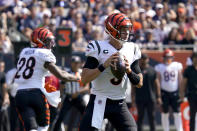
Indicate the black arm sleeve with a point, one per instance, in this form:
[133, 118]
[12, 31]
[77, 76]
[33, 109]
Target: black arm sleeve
[135, 67]
[91, 63]
[133, 77]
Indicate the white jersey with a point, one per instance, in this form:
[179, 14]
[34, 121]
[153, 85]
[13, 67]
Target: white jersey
[169, 75]
[128, 86]
[9, 78]
[106, 84]
[30, 67]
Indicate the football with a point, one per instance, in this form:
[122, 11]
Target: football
[118, 67]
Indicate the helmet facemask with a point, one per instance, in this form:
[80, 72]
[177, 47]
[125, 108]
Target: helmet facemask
[49, 42]
[123, 35]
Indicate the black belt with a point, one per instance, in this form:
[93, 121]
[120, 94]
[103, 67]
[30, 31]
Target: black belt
[169, 92]
[30, 89]
[109, 101]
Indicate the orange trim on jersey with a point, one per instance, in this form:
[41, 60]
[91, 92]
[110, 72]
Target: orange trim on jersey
[20, 118]
[47, 112]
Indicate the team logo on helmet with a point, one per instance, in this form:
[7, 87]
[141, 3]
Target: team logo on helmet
[42, 38]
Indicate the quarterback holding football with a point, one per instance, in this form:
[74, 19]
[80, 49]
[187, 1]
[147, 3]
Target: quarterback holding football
[108, 64]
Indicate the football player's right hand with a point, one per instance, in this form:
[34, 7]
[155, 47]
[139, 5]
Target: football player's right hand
[159, 101]
[112, 58]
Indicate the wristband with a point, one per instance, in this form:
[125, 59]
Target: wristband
[101, 68]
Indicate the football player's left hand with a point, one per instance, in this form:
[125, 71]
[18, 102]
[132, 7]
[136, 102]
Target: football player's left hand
[127, 66]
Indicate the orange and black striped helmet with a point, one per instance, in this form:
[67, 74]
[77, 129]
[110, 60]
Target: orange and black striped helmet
[115, 22]
[42, 38]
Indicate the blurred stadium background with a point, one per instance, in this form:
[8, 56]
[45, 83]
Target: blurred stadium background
[157, 25]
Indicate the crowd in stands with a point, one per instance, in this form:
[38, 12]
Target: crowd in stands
[155, 22]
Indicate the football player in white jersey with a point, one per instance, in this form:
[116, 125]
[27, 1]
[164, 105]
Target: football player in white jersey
[170, 75]
[33, 64]
[108, 94]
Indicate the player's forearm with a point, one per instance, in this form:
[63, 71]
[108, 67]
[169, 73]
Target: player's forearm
[180, 78]
[68, 77]
[89, 74]
[183, 88]
[83, 90]
[157, 86]
[5, 92]
[62, 75]
[136, 79]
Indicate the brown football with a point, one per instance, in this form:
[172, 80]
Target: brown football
[118, 67]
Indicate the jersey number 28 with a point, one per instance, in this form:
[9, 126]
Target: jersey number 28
[28, 70]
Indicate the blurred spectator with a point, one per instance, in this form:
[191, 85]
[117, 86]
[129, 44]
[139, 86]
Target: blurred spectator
[159, 13]
[27, 32]
[132, 11]
[189, 39]
[165, 7]
[97, 34]
[52, 26]
[4, 4]
[150, 23]
[181, 13]
[149, 11]
[136, 25]
[32, 21]
[149, 41]
[80, 6]
[142, 15]
[74, 96]
[4, 100]
[192, 23]
[150, 92]
[195, 11]
[161, 32]
[45, 21]
[97, 9]
[88, 31]
[5, 43]
[171, 19]
[190, 83]
[54, 15]
[79, 44]
[3, 22]
[171, 39]
[44, 10]
[107, 11]
[89, 15]
[78, 20]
